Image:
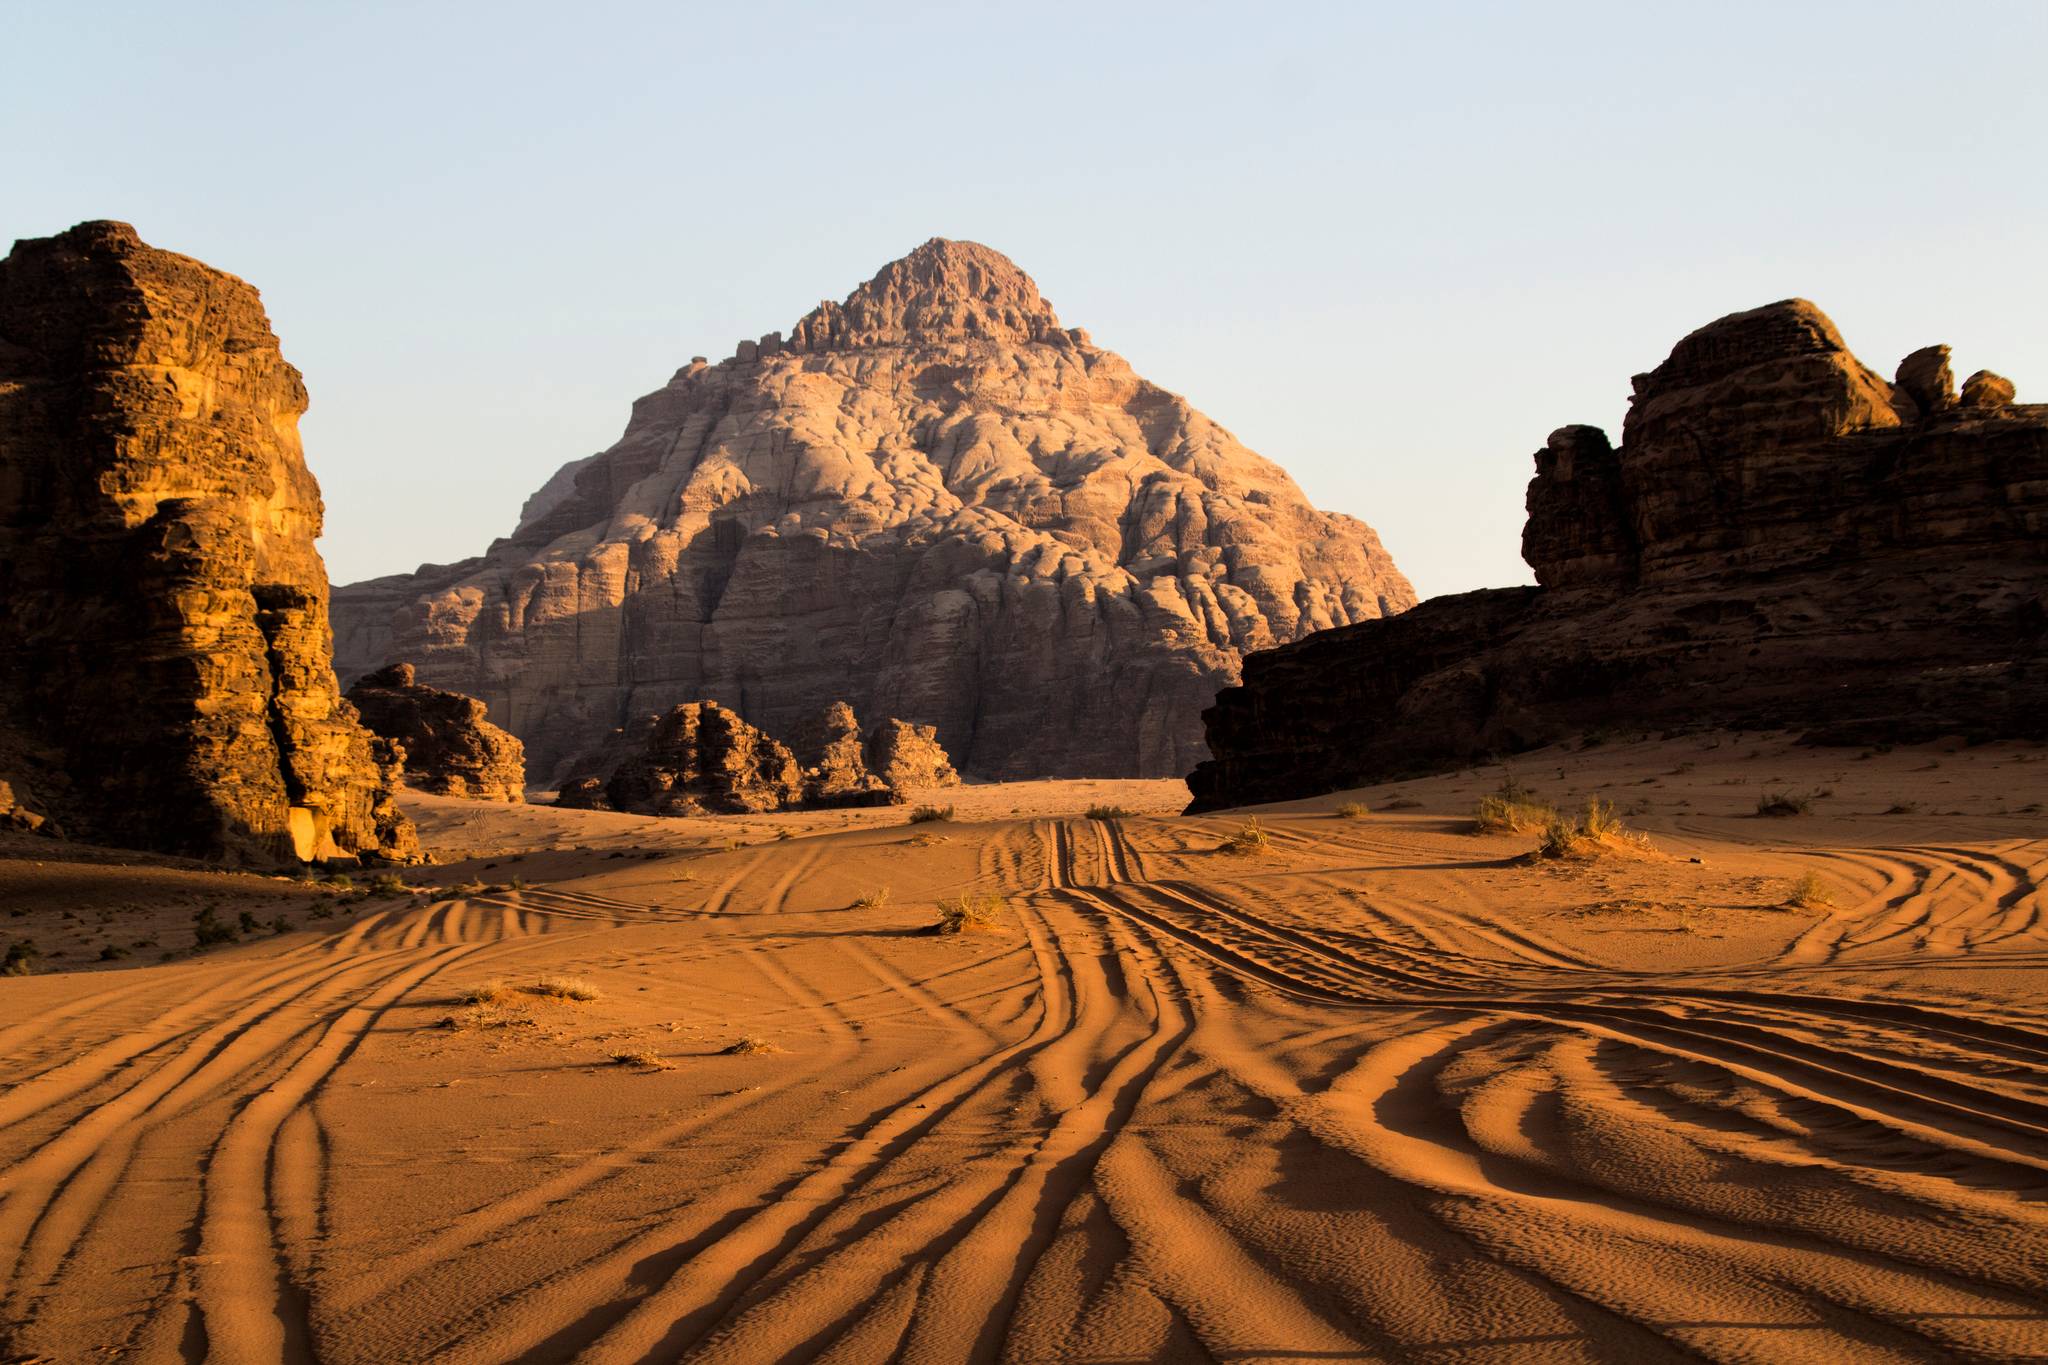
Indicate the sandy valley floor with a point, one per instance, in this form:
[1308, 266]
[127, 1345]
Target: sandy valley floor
[1388, 1091]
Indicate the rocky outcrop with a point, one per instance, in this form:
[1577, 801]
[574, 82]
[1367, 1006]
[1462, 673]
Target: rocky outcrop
[834, 762]
[701, 759]
[1772, 546]
[164, 643]
[932, 501]
[448, 747]
[909, 757]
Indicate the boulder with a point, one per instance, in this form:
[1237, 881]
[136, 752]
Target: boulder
[165, 622]
[932, 501]
[1987, 390]
[1926, 378]
[1769, 547]
[448, 747]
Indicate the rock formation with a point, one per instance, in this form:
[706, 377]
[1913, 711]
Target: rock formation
[932, 501]
[448, 747]
[834, 763]
[701, 759]
[1783, 540]
[165, 659]
[909, 757]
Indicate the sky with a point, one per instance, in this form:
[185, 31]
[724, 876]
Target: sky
[1389, 246]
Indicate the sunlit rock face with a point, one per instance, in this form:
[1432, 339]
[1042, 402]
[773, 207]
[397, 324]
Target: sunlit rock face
[1781, 540]
[933, 502]
[166, 675]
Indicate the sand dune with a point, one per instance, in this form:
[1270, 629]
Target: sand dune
[1387, 1090]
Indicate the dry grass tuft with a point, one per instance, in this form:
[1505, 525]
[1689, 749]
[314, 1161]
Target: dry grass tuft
[1810, 893]
[1352, 810]
[1250, 839]
[1599, 830]
[973, 913]
[492, 992]
[565, 988]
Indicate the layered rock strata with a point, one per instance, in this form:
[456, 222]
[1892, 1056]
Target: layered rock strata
[447, 745]
[1782, 540]
[165, 657]
[933, 501]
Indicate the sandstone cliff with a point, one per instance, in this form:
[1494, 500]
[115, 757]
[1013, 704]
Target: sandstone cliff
[449, 748]
[166, 678]
[932, 501]
[1783, 539]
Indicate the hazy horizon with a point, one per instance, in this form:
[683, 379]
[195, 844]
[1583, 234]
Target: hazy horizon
[1390, 252]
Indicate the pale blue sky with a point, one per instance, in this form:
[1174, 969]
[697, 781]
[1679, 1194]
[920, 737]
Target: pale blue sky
[1391, 247]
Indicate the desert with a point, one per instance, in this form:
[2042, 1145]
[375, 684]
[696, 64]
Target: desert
[1446, 763]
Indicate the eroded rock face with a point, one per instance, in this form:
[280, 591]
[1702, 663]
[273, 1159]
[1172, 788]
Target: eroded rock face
[164, 626]
[449, 748]
[909, 757]
[1772, 546]
[701, 759]
[834, 762]
[932, 501]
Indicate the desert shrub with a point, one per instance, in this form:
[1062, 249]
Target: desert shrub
[872, 900]
[1107, 813]
[920, 815]
[1511, 810]
[1352, 810]
[388, 884]
[973, 913]
[565, 988]
[492, 992]
[1569, 836]
[1810, 893]
[20, 959]
[208, 931]
[1780, 803]
[1250, 838]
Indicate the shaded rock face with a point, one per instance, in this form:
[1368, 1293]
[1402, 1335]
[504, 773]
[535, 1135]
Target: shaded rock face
[701, 759]
[909, 757]
[165, 659]
[932, 501]
[1771, 546]
[448, 747]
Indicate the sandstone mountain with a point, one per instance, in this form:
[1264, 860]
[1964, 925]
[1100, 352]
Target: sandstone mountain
[166, 676]
[1783, 540]
[448, 746]
[932, 501]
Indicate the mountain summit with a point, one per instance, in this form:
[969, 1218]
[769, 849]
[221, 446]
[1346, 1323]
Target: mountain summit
[931, 501]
